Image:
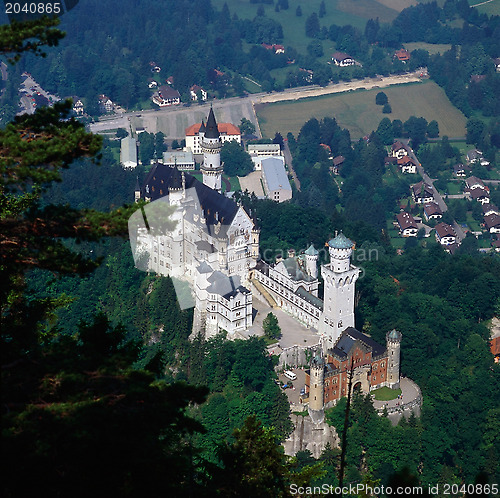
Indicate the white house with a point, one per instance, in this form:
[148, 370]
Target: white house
[422, 192]
[342, 59]
[432, 211]
[407, 165]
[407, 225]
[445, 234]
[492, 223]
[194, 90]
[258, 152]
[166, 96]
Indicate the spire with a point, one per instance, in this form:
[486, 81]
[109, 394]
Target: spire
[202, 127]
[137, 187]
[211, 128]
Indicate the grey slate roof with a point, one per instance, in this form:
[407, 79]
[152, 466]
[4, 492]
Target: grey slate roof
[216, 207]
[275, 174]
[349, 337]
[211, 127]
[315, 301]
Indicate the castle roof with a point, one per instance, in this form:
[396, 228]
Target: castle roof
[202, 127]
[216, 207]
[341, 242]
[310, 251]
[394, 335]
[227, 287]
[349, 337]
[295, 271]
[224, 129]
[211, 126]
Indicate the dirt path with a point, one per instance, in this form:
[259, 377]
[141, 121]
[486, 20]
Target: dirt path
[346, 86]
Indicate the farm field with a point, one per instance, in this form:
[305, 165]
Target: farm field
[491, 8]
[358, 112]
[340, 12]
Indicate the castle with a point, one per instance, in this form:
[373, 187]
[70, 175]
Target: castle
[213, 245]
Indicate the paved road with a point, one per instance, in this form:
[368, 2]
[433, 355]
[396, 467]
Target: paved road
[288, 162]
[173, 120]
[438, 197]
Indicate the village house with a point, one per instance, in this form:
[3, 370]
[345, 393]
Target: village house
[105, 104]
[492, 223]
[407, 225]
[78, 107]
[461, 171]
[166, 96]
[399, 150]
[338, 161]
[277, 49]
[445, 234]
[407, 165]
[195, 90]
[128, 152]
[490, 209]
[432, 211]
[343, 60]
[308, 74]
[480, 195]
[496, 61]
[475, 156]
[473, 183]
[402, 55]
[422, 193]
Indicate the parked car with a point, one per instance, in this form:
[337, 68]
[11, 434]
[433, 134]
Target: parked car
[303, 391]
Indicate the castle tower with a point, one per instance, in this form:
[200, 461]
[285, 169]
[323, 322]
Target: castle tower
[393, 339]
[316, 389]
[339, 283]
[211, 146]
[254, 246]
[311, 255]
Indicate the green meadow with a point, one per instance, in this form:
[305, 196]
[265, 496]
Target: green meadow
[358, 112]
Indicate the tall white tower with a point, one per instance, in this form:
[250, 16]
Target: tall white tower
[311, 255]
[211, 146]
[339, 283]
[393, 339]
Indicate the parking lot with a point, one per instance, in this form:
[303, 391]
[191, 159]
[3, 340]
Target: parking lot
[293, 394]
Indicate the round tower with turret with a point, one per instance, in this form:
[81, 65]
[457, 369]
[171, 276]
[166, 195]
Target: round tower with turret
[339, 287]
[311, 255]
[211, 146]
[316, 389]
[393, 339]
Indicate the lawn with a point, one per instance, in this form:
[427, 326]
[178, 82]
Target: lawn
[473, 224]
[432, 48]
[357, 111]
[385, 393]
[454, 188]
[339, 12]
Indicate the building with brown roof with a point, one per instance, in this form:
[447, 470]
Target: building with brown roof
[432, 211]
[402, 55]
[445, 234]
[342, 59]
[407, 225]
[422, 192]
[166, 96]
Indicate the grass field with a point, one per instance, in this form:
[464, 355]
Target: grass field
[432, 48]
[491, 8]
[357, 111]
[386, 393]
[340, 12]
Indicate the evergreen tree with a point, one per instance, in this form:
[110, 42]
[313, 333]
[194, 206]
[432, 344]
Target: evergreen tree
[322, 9]
[298, 11]
[271, 326]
